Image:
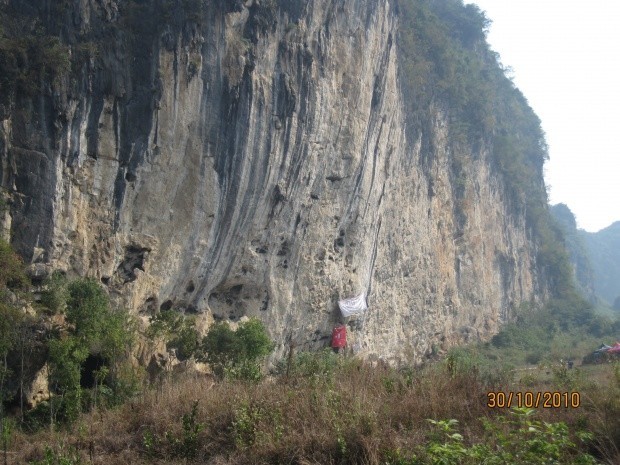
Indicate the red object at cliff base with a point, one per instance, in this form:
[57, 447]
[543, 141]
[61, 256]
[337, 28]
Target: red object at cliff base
[339, 337]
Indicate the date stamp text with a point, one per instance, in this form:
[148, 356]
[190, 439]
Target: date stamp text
[529, 399]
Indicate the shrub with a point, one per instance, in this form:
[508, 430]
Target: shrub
[533, 358]
[12, 275]
[322, 364]
[28, 59]
[514, 438]
[186, 445]
[60, 456]
[220, 346]
[95, 329]
[254, 342]
[180, 332]
[56, 294]
[101, 329]
[237, 354]
[66, 357]
[87, 308]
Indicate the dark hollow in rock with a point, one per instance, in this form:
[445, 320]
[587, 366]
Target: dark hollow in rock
[92, 364]
[150, 306]
[278, 196]
[233, 300]
[134, 259]
[284, 249]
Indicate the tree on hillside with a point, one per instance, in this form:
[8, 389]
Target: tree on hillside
[12, 322]
[617, 303]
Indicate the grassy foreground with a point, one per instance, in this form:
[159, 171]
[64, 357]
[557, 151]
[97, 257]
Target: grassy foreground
[332, 410]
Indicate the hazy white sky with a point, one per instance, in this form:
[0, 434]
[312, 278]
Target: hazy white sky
[565, 57]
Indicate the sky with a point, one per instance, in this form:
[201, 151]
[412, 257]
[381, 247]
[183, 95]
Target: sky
[565, 58]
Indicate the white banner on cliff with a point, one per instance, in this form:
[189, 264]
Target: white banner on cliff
[353, 306]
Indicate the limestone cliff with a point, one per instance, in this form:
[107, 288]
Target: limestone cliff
[228, 159]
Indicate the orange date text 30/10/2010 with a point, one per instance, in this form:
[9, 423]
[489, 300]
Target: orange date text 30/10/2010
[528, 399]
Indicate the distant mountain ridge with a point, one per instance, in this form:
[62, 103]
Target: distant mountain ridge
[604, 250]
[595, 256]
[580, 256]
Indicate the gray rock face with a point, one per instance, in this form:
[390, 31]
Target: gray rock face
[252, 167]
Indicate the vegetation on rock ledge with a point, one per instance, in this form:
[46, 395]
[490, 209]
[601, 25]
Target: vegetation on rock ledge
[74, 332]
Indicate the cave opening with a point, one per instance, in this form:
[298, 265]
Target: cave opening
[91, 365]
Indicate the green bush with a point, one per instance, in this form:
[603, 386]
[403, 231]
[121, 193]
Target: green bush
[172, 445]
[66, 356]
[321, 364]
[253, 341]
[94, 329]
[101, 329]
[220, 346]
[59, 456]
[56, 294]
[237, 354]
[179, 332]
[533, 358]
[187, 445]
[187, 341]
[87, 309]
[12, 274]
[513, 438]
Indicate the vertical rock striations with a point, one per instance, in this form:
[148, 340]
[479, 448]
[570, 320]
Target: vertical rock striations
[233, 159]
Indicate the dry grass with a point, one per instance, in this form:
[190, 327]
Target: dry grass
[354, 417]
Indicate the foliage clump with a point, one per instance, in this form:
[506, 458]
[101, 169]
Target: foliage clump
[237, 354]
[91, 329]
[14, 327]
[440, 63]
[12, 274]
[96, 331]
[179, 331]
[29, 56]
[172, 445]
[514, 438]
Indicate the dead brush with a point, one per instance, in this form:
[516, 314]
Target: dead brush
[354, 414]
